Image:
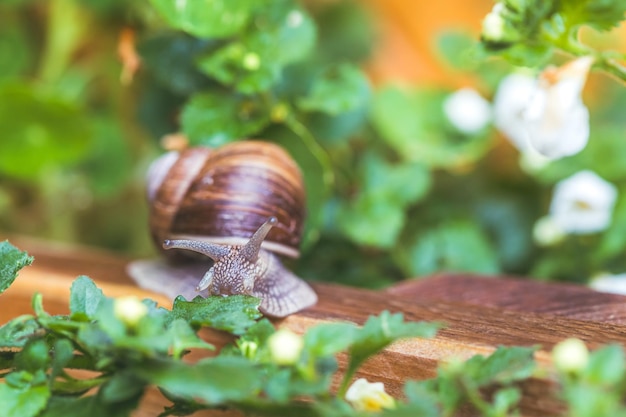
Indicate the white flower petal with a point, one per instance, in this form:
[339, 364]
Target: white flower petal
[583, 203]
[510, 102]
[557, 120]
[369, 396]
[467, 110]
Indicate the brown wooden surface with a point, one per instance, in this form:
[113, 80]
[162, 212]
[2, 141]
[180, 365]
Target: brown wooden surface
[480, 314]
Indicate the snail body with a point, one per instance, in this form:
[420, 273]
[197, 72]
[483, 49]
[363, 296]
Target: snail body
[240, 205]
[250, 270]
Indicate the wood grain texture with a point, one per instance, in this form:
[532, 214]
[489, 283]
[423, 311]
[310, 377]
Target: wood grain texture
[479, 313]
[517, 294]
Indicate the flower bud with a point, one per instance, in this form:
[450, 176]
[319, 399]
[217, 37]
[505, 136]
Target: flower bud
[285, 347]
[369, 396]
[494, 23]
[547, 232]
[248, 348]
[570, 355]
[129, 310]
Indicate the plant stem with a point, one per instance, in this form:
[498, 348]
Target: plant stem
[613, 67]
[64, 27]
[341, 392]
[316, 150]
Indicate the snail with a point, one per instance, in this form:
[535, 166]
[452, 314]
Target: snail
[241, 205]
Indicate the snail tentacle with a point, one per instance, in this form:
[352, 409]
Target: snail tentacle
[212, 250]
[250, 252]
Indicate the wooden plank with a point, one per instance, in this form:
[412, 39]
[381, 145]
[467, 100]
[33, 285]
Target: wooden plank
[517, 294]
[480, 314]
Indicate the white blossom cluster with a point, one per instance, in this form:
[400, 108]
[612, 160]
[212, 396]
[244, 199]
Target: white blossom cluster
[545, 119]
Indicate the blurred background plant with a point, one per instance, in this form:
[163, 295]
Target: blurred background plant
[395, 118]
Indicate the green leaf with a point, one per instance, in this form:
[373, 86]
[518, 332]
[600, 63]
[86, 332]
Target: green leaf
[16, 49]
[599, 14]
[234, 314]
[206, 18]
[215, 381]
[85, 299]
[62, 354]
[92, 406]
[380, 331]
[18, 331]
[613, 241]
[347, 32]
[11, 261]
[504, 366]
[110, 144]
[606, 366]
[454, 246]
[23, 402]
[593, 401]
[38, 132]
[420, 401]
[413, 124]
[123, 386]
[295, 36]
[456, 47]
[504, 400]
[371, 221]
[377, 215]
[247, 65]
[254, 61]
[339, 89]
[171, 59]
[215, 118]
[184, 338]
[33, 357]
[330, 338]
[401, 183]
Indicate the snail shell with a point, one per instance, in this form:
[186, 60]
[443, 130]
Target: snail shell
[239, 205]
[222, 195]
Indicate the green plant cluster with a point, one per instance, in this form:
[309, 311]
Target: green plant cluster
[395, 190]
[532, 30]
[100, 360]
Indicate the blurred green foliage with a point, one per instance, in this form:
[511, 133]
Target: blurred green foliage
[395, 189]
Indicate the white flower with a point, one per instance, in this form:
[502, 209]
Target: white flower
[615, 284]
[467, 110]
[583, 203]
[547, 114]
[547, 232]
[285, 347]
[369, 396]
[510, 103]
[570, 355]
[558, 121]
[129, 310]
